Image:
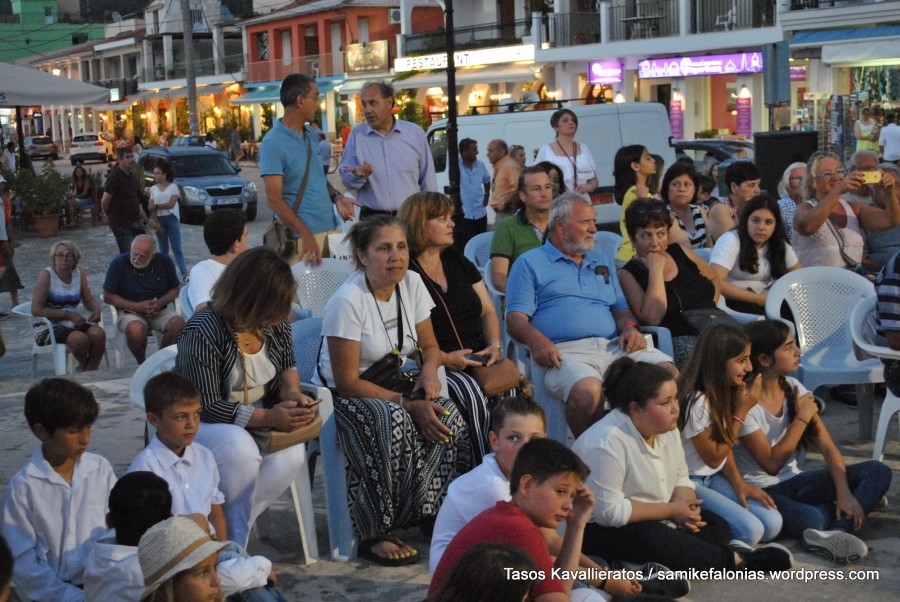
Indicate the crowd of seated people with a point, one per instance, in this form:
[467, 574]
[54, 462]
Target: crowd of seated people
[709, 446]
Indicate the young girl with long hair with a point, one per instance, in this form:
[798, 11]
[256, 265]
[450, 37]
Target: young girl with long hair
[640, 478]
[715, 399]
[750, 258]
[164, 197]
[822, 508]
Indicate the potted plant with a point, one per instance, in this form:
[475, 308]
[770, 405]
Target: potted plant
[42, 196]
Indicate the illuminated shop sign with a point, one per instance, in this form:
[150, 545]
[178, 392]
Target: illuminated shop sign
[466, 58]
[604, 72]
[691, 66]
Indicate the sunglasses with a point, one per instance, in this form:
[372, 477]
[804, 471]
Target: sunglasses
[654, 207]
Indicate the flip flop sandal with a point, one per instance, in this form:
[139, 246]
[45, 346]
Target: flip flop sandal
[365, 551]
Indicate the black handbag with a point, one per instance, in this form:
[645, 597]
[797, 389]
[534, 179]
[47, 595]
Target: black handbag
[701, 319]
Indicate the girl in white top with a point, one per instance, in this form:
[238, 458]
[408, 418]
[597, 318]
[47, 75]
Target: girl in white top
[750, 258]
[714, 400]
[164, 199]
[820, 507]
[575, 160]
[640, 478]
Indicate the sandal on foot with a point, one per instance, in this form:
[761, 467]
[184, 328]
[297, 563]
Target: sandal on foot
[365, 551]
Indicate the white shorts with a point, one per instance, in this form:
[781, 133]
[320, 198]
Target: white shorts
[589, 358]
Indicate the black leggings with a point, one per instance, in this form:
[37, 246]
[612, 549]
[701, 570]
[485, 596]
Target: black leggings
[655, 541]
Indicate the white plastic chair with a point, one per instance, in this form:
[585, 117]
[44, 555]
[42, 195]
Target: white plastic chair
[703, 253]
[607, 243]
[862, 328]
[555, 408]
[161, 361]
[315, 286]
[821, 299]
[187, 310]
[63, 360]
[343, 541]
[478, 250]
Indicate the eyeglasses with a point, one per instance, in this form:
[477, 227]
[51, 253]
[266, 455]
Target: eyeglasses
[795, 178]
[64, 255]
[654, 207]
[831, 175]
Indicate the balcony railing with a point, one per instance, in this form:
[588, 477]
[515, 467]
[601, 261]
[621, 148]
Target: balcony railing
[233, 63]
[644, 20]
[804, 4]
[574, 29]
[315, 65]
[490, 35]
[723, 15]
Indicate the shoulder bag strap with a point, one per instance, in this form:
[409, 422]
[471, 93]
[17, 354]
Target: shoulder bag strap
[441, 299]
[302, 190]
[840, 240]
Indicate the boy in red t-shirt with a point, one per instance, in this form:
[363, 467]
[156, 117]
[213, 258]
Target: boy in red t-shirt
[546, 486]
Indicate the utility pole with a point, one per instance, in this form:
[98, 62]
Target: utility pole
[187, 38]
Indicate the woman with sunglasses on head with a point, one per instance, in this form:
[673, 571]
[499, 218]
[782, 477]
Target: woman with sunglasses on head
[828, 230]
[403, 447]
[663, 279]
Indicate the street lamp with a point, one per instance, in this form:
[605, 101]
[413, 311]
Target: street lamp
[452, 129]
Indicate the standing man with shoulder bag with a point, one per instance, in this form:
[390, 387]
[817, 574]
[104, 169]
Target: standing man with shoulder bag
[297, 190]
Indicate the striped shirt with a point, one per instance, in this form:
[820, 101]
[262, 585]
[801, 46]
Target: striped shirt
[207, 353]
[887, 288]
[698, 237]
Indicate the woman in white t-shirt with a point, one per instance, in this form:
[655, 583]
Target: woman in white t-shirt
[714, 400]
[821, 508]
[751, 257]
[403, 448]
[574, 158]
[164, 199]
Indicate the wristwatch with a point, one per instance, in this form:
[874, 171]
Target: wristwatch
[334, 195]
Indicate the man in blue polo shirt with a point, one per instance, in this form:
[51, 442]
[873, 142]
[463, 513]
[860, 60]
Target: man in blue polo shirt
[143, 286]
[282, 165]
[474, 192]
[564, 301]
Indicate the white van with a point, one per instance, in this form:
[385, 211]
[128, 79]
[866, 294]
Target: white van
[603, 127]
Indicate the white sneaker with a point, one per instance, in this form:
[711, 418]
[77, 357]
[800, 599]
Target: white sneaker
[837, 546]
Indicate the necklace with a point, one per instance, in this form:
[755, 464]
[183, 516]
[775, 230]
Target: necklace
[437, 271]
[571, 159]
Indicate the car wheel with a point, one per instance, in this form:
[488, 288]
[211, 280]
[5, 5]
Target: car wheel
[55, 156]
[251, 212]
[74, 162]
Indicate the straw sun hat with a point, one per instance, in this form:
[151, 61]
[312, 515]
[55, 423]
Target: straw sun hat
[170, 547]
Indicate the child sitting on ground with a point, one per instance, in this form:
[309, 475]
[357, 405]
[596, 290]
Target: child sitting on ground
[137, 502]
[173, 408]
[547, 489]
[178, 561]
[54, 508]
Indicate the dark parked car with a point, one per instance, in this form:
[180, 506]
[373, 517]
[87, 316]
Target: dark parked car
[206, 179]
[705, 152]
[41, 147]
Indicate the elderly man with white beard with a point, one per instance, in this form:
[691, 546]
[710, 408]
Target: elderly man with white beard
[143, 286]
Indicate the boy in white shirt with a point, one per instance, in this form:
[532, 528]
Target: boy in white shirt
[173, 408]
[137, 502]
[54, 508]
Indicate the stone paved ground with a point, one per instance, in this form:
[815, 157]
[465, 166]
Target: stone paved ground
[119, 431]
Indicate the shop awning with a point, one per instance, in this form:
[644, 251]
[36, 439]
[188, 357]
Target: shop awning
[119, 106]
[178, 92]
[487, 75]
[853, 46]
[258, 96]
